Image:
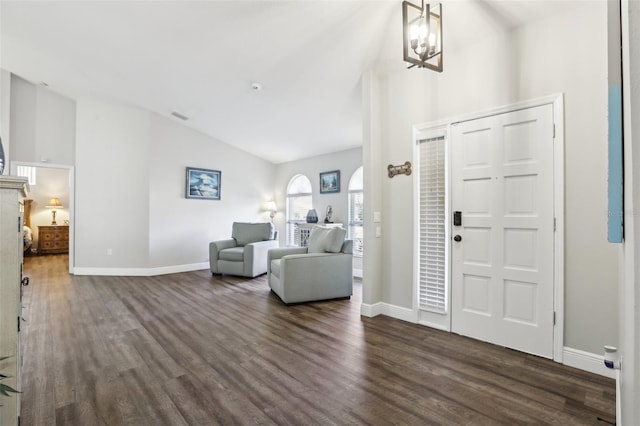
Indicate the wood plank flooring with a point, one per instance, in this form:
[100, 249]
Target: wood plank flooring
[192, 349]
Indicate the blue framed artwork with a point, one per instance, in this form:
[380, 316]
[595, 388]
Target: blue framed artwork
[203, 184]
[330, 182]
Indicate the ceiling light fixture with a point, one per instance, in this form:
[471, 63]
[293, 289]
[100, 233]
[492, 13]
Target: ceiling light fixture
[422, 35]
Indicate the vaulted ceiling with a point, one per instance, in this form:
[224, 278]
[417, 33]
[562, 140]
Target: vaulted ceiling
[200, 58]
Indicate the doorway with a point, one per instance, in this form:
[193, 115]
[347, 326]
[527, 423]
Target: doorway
[503, 251]
[47, 182]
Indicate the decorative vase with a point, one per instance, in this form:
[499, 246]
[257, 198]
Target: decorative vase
[312, 216]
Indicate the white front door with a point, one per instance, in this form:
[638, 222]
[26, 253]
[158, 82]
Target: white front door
[502, 266]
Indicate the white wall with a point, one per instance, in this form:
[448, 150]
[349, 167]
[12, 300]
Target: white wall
[130, 192]
[345, 161]
[180, 228]
[544, 58]
[42, 124]
[112, 186]
[5, 115]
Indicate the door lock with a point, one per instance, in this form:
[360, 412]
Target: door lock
[457, 218]
[457, 238]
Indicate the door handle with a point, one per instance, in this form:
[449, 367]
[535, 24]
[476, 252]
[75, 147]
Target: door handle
[457, 238]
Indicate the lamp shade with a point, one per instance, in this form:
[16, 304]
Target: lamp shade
[270, 206]
[54, 203]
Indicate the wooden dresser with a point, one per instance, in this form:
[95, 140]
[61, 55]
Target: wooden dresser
[53, 239]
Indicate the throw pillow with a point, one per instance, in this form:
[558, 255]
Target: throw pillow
[326, 240]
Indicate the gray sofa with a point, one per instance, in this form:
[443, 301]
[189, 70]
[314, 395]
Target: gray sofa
[245, 253]
[318, 272]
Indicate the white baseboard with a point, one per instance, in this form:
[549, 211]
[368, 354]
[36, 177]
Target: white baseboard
[586, 361]
[434, 325]
[141, 272]
[371, 310]
[389, 310]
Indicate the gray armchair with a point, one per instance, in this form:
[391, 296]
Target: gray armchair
[245, 253]
[304, 274]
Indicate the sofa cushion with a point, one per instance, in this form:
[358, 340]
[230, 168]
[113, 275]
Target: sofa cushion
[275, 267]
[234, 254]
[245, 233]
[326, 240]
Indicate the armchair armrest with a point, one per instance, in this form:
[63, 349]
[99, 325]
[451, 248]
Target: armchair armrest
[278, 253]
[214, 250]
[255, 256]
[223, 244]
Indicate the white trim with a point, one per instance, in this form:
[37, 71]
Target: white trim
[435, 325]
[357, 273]
[371, 311]
[142, 272]
[558, 239]
[430, 319]
[386, 309]
[587, 361]
[557, 100]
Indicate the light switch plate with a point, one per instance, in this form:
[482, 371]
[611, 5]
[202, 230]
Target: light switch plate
[377, 217]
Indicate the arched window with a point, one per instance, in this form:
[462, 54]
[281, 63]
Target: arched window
[356, 212]
[299, 202]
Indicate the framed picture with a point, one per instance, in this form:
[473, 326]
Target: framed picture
[330, 182]
[203, 184]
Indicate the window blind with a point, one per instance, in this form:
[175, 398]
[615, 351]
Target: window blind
[299, 202]
[356, 221]
[432, 284]
[297, 208]
[28, 172]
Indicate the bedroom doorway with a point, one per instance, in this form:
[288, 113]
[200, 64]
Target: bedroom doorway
[47, 182]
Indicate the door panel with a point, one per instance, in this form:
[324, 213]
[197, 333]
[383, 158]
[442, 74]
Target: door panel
[502, 268]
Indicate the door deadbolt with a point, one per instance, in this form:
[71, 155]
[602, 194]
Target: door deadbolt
[457, 238]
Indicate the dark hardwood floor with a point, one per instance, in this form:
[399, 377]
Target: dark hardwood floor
[192, 349]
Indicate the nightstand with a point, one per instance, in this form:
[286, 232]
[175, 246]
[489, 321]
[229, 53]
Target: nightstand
[53, 239]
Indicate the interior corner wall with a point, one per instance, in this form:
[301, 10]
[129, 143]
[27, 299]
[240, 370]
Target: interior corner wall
[346, 161]
[42, 124]
[5, 115]
[112, 186]
[551, 56]
[180, 228]
[373, 169]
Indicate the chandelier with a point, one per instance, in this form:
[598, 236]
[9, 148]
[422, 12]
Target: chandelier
[422, 35]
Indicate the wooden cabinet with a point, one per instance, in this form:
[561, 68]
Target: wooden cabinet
[12, 191]
[53, 239]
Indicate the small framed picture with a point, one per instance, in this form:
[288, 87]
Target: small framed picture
[203, 184]
[330, 182]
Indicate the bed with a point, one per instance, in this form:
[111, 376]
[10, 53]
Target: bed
[27, 232]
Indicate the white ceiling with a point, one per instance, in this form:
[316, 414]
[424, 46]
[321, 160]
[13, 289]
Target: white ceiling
[199, 58]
